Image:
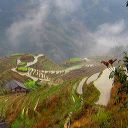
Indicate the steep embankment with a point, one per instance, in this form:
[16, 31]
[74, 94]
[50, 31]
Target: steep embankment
[6, 63]
[82, 72]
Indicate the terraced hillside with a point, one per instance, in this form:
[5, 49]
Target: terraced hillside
[73, 61]
[45, 74]
[25, 68]
[27, 58]
[82, 72]
[47, 102]
[72, 97]
[55, 106]
[7, 63]
[44, 63]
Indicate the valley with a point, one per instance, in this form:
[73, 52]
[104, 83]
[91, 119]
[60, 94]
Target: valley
[63, 64]
[61, 96]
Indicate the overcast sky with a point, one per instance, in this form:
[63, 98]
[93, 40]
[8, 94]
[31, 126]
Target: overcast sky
[63, 28]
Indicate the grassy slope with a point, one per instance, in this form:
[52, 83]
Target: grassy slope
[27, 58]
[50, 106]
[10, 75]
[82, 118]
[45, 107]
[115, 115]
[7, 63]
[118, 109]
[46, 64]
[76, 59]
[73, 62]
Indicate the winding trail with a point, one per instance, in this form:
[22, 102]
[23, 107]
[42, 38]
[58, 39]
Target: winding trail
[41, 74]
[104, 85]
[80, 86]
[35, 60]
[28, 74]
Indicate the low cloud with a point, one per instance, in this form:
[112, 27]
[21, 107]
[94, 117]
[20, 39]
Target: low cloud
[109, 34]
[31, 24]
[46, 28]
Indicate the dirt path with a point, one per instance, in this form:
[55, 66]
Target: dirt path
[104, 85]
[93, 78]
[28, 74]
[35, 60]
[42, 73]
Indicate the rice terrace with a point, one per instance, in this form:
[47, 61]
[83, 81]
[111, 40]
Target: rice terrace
[63, 64]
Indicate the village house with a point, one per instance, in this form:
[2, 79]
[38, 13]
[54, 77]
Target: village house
[16, 87]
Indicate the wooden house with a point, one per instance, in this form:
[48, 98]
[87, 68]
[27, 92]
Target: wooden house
[16, 87]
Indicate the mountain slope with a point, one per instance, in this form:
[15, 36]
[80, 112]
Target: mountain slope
[44, 63]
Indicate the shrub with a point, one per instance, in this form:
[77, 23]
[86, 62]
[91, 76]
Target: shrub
[119, 74]
[31, 84]
[102, 118]
[22, 69]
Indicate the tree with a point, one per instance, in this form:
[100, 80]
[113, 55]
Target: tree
[127, 4]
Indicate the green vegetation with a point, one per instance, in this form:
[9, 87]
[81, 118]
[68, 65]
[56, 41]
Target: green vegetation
[31, 84]
[76, 59]
[21, 122]
[75, 98]
[120, 75]
[43, 107]
[116, 112]
[102, 118]
[22, 69]
[91, 94]
[73, 62]
[50, 105]
[43, 96]
[88, 99]
[7, 63]
[16, 54]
